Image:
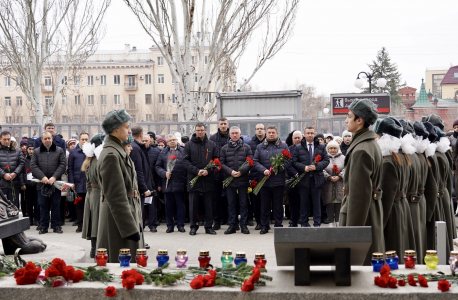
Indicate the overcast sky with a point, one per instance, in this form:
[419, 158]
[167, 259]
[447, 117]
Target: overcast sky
[334, 40]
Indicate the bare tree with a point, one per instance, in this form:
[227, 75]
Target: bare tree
[52, 37]
[312, 104]
[208, 38]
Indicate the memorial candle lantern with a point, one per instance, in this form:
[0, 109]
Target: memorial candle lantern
[239, 258]
[101, 257]
[124, 257]
[260, 260]
[392, 259]
[227, 259]
[142, 257]
[204, 258]
[377, 261]
[181, 258]
[453, 261]
[431, 260]
[162, 257]
[409, 259]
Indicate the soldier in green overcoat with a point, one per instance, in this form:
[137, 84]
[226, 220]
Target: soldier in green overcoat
[120, 221]
[361, 205]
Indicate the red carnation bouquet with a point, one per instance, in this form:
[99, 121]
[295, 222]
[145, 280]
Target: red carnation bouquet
[277, 162]
[131, 278]
[213, 164]
[170, 165]
[248, 162]
[59, 274]
[295, 181]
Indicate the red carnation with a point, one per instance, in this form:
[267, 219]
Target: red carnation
[247, 286]
[70, 272]
[19, 273]
[217, 163]
[286, 153]
[401, 282]
[256, 274]
[411, 280]
[423, 281]
[52, 271]
[128, 283]
[376, 280]
[78, 275]
[250, 161]
[110, 291]
[317, 158]
[392, 282]
[212, 274]
[443, 285]
[383, 282]
[210, 282]
[7, 166]
[385, 271]
[27, 170]
[253, 183]
[139, 278]
[172, 157]
[197, 283]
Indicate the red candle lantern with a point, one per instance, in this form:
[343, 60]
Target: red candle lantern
[260, 260]
[410, 259]
[204, 258]
[101, 257]
[141, 257]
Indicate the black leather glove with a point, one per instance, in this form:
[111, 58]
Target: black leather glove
[134, 237]
[154, 193]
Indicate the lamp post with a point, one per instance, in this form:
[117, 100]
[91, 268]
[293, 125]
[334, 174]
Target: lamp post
[359, 82]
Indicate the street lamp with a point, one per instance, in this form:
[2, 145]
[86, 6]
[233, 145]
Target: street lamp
[359, 82]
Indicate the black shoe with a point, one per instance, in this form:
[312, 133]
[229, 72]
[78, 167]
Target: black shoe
[74, 224]
[79, 229]
[250, 223]
[217, 226]
[147, 246]
[43, 231]
[201, 223]
[237, 227]
[245, 230]
[258, 227]
[169, 230]
[193, 231]
[264, 231]
[153, 229]
[325, 221]
[181, 229]
[268, 227]
[38, 227]
[292, 225]
[210, 231]
[230, 230]
[57, 229]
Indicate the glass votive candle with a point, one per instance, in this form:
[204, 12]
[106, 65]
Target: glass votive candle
[453, 261]
[239, 258]
[227, 259]
[101, 257]
[124, 257]
[431, 260]
[377, 261]
[162, 257]
[204, 258]
[392, 260]
[409, 259]
[181, 258]
[260, 260]
[142, 257]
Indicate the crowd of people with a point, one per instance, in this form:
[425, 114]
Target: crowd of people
[398, 179]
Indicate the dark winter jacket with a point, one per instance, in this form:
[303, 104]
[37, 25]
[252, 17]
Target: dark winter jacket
[153, 154]
[264, 152]
[28, 183]
[15, 159]
[56, 140]
[232, 158]
[197, 155]
[253, 143]
[301, 158]
[76, 159]
[220, 140]
[144, 176]
[343, 148]
[177, 183]
[50, 163]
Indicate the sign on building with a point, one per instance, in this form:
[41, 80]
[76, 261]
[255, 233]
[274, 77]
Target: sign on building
[341, 102]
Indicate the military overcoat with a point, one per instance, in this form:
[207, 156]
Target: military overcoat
[92, 205]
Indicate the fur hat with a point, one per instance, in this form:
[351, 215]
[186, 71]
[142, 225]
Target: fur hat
[436, 121]
[332, 144]
[130, 139]
[439, 133]
[455, 123]
[97, 139]
[345, 133]
[389, 125]
[365, 109]
[420, 130]
[114, 119]
[406, 127]
[432, 135]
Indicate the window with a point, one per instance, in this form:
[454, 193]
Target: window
[174, 117]
[64, 119]
[148, 79]
[193, 59]
[103, 80]
[33, 120]
[64, 100]
[77, 118]
[103, 99]
[91, 119]
[19, 120]
[64, 80]
[90, 100]
[48, 101]
[77, 100]
[174, 99]
[149, 117]
[161, 117]
[437, 89]
[8, 120]
[117, 99]
[7, 101]
[161, 98]
[19, 101]
[208, 97]
[160, 78]
[455, 75]
[160, 61]
[7, 81]
[18, 81]
[206, 59]
[117, 80]
[76, 80]
[196, 80]
[90, 80]
[148, 99]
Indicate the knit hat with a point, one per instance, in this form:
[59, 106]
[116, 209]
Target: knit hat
[432, 135]
[319, 135]
[23, 142]
[436, 121]
[70, 141]
[455, 123]
[389, 125]
[345, 133]
[365, 109]
[439, 133]
[97, 139]
[332, 144]
[420, 129]
[130, 139]
[152, 134]
[30, 143]
[406, 127]
[114, 119]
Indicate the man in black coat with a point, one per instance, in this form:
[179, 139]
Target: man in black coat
[219, 205]
[33, 211]
[232, 156]
[59, 142]
[153, 151]
[293, 193]
[258, 138]
[310, 186]
[198, 153]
